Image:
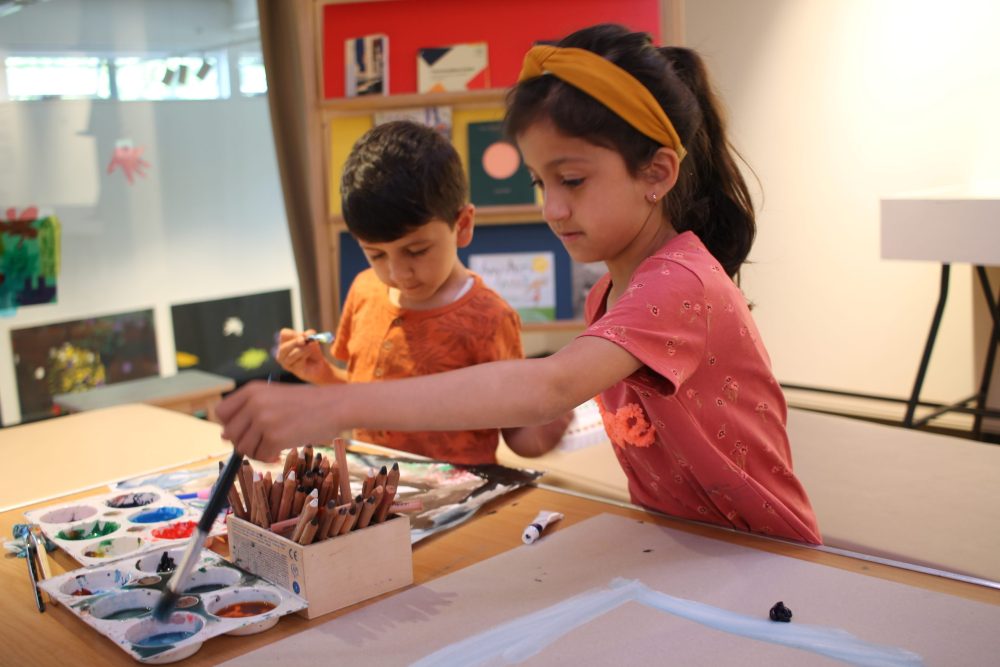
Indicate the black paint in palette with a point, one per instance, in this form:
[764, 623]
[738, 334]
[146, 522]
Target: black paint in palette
[128, 500]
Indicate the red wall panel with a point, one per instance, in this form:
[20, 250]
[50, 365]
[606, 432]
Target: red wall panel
[510, 28]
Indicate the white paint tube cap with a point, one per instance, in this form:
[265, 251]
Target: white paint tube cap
[531, 533]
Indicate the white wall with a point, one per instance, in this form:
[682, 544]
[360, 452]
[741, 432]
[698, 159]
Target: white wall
[836, 104]
[208, 220]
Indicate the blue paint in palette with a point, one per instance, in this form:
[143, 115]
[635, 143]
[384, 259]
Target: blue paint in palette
[157, 515]
[165, 639]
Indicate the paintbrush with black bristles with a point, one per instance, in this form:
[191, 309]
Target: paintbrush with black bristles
[173, 590]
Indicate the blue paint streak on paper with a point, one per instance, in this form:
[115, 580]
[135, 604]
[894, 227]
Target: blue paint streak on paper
[518, 640]
[170, 480]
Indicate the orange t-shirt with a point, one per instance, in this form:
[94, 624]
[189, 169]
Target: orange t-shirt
[380, 341]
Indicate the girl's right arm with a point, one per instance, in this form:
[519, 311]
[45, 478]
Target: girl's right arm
[261, 420]
[305, 358]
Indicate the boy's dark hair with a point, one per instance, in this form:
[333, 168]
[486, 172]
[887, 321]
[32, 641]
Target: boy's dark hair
[399, 176]
[710, 198]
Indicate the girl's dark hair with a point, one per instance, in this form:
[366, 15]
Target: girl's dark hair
[711, 198]
[399, 176]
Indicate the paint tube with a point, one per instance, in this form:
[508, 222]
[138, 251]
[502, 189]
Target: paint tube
[534, 530]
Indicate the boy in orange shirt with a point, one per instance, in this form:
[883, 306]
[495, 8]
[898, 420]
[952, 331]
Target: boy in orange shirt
[417, 310]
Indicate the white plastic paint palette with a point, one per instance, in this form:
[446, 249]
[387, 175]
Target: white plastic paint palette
[100, 529]
[218, 598]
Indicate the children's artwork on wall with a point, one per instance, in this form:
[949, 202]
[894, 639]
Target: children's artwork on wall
[79, 355]
[234, 337]
[29, 259]
[128, 158]
[526, 280]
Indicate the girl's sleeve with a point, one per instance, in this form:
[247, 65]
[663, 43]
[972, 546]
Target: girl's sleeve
[661, 320]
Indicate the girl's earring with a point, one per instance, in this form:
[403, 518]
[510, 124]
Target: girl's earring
[651, 197]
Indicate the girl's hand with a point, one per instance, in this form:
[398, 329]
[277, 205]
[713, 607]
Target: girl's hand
[263, 419]
[304, 358]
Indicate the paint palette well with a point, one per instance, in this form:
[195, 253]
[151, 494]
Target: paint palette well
[104, 528]
[218, 598]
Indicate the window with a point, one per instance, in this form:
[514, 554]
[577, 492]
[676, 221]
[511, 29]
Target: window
[59, 77]
[126, 78]
[175, 78]
[252, 78]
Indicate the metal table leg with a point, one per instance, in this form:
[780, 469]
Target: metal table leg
[911, 405]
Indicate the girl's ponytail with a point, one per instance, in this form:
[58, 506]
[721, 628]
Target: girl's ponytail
[714, 201]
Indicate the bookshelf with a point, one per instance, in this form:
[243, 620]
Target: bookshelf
[492, 97]
[502, 229]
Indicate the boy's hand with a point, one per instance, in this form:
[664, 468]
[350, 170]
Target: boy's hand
[304, 358]
[532, 441]
[263, 419]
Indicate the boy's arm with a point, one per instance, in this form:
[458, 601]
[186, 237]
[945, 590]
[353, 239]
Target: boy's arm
[261, 420]
[532, 441]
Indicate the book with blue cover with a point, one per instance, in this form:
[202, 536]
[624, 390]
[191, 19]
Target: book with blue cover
[366, 62]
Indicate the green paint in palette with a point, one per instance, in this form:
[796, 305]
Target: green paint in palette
[126, 614]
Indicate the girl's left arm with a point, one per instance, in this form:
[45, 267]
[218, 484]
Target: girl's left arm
[261, 420]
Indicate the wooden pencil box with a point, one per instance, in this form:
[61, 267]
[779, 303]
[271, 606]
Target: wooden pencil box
[331, 574]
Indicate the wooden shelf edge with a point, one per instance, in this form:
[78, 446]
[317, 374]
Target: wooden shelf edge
[369, 103]
[485, 215]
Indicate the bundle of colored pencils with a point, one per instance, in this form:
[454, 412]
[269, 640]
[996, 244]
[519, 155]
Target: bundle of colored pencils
[310, 500]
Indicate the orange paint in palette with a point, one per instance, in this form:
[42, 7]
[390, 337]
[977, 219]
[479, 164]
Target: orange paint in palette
[245, 609]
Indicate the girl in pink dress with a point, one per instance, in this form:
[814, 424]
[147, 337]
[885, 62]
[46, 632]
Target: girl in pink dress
[628, 146]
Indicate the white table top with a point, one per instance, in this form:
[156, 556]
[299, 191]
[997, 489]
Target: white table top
[53, 457]
[948, 224]
[886, 491]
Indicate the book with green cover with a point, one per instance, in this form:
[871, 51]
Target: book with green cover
[497, 175]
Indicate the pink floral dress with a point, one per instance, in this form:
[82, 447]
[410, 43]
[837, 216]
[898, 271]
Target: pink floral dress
[700, 429]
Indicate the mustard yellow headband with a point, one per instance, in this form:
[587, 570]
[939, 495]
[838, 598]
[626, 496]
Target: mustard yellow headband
[607, 83]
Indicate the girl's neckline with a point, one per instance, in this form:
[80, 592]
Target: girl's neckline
[609, 284]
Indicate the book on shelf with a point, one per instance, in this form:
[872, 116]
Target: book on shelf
[437, 117]
[453, 68]
[526, 280]
[497, 175]
[366, 65]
